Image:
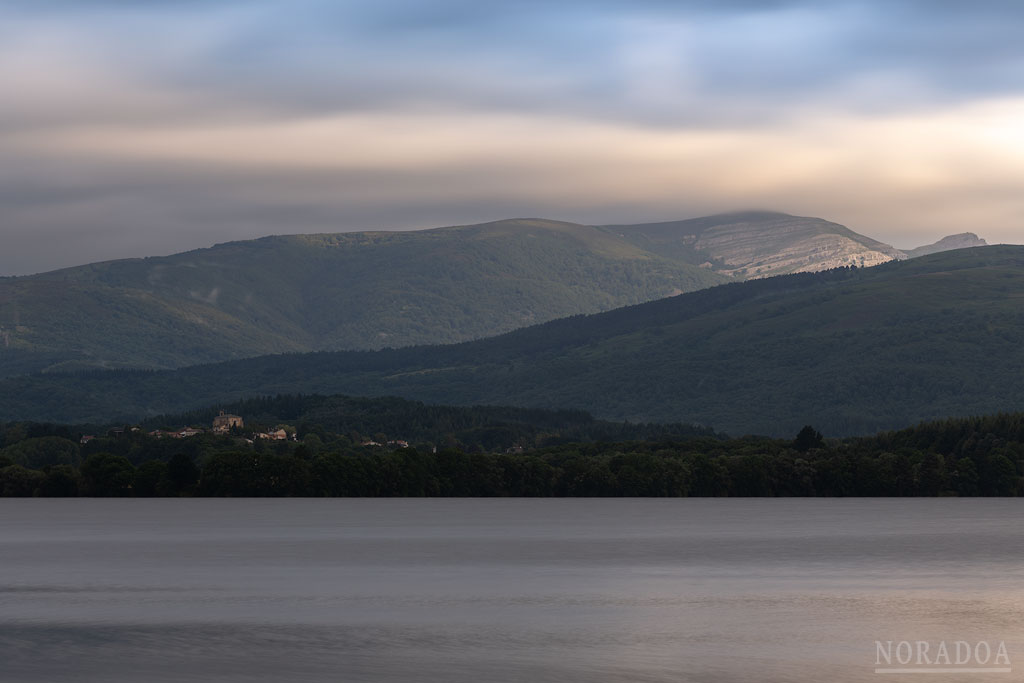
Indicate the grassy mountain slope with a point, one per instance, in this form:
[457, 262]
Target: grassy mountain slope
[312, 292]
[850, 351]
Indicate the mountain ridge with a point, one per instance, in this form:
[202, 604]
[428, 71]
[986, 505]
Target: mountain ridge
[371, 290]
[852, 351]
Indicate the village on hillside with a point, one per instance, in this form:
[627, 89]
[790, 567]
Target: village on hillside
[226, 423]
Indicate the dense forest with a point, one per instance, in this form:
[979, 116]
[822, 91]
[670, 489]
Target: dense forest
[852, 351]
[958, 457]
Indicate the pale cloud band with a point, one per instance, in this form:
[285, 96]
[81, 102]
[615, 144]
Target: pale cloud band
[137, 129]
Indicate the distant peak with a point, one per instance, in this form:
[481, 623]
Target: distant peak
[964, 236]
[963, 240]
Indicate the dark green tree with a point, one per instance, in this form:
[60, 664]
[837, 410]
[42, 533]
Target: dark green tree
[808, 438]
[182, 474]
[19, 482]
[151, 479]
[60, 481]
[105, 475]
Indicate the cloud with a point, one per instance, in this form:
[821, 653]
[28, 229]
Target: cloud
[363, 171]
[645, 62]
[136, 128]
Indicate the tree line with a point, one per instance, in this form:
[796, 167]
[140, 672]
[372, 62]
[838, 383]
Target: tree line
[965, 457]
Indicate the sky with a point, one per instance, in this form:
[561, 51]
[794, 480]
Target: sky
[154, 127]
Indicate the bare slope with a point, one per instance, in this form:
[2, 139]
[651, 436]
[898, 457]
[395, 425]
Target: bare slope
[760, 244]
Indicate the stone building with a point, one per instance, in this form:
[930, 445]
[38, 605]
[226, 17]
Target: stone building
[224, 422]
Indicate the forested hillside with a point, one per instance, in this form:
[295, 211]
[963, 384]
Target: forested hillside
[851, 351]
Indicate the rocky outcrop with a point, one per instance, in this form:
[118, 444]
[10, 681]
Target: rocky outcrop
[761, 244]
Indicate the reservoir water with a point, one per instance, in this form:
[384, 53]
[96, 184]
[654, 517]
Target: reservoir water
[451, 591]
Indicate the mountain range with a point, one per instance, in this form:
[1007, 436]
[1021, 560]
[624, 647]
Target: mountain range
[851, 351]
[391, 289]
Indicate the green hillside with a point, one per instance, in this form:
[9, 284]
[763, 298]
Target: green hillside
[314, 292]
[389, 289]
[851, 351]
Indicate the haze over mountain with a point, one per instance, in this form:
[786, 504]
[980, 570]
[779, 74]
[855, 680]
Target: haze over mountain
[851, 351]
[390, 289]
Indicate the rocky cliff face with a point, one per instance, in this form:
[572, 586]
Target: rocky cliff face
[962, 241]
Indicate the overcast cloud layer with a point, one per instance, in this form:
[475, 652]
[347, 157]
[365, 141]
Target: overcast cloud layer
[139, 128]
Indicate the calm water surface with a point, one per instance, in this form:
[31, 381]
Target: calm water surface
[501, 590]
